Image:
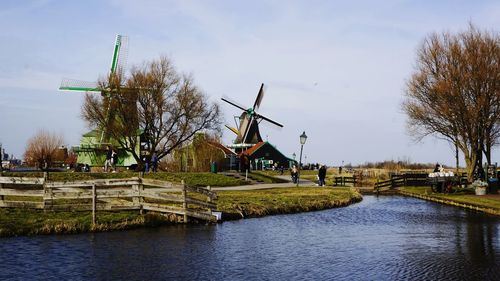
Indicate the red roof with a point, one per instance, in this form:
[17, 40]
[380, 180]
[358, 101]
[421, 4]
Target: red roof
[252, 149]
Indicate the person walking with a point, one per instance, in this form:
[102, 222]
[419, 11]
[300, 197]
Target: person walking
[154, 162]
[109, 155]
[294, 173]
[321, 175]
[114, 159]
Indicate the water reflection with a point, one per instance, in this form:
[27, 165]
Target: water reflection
[384, 238]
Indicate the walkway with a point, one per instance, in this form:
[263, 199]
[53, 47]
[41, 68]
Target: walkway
[302, 183]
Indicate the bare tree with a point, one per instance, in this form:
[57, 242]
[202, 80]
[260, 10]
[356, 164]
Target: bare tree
[41, 149]
[454, 92]
[165, 107]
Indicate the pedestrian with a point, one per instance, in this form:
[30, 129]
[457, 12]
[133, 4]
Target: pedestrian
[154, 162]
[145, 159]
[108, 163]
[294, 173]
[114, 159]
[322, 175]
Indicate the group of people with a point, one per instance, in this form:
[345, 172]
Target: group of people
[150, 163]
[321, 175]
[111, 160]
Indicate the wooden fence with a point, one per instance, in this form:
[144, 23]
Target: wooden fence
[108, 194]
[342, 181]
[408, 179]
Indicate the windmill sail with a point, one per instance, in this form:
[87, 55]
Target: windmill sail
[248, 131]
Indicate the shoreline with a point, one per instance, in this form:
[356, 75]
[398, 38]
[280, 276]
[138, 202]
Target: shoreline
[234, 205]
[447, 199]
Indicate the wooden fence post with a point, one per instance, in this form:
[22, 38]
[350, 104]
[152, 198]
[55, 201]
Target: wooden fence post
[184, 201]
[94, 204]
[141, 198]
[209, 199]
[47, 192]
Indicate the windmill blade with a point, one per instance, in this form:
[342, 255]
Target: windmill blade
[259, 98]
[78, 85]
[233, 130]
[120, 53]
[269, 120]
[233, 104]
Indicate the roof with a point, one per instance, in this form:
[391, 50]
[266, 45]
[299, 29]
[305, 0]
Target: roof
[226, 150]
[258, 146]
[254, 148]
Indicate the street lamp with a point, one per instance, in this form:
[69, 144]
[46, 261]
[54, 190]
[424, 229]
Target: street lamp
[293, 155]
[303, 139]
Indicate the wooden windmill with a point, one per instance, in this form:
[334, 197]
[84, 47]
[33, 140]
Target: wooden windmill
[248, 132]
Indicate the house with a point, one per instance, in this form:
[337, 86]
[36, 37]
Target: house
[264, 155]
[92, 151]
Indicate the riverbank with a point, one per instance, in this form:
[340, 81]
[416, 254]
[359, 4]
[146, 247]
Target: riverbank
[465, 199]
[259, 203]
[233, 204]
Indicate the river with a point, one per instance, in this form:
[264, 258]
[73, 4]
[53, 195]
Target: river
[380, 238]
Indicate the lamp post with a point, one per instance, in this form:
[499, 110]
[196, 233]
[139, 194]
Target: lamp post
[303, 139]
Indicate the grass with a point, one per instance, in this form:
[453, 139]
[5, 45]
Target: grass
[257, 203]
[464, 196]
[192, 179]
[14, 222]
[234, 204]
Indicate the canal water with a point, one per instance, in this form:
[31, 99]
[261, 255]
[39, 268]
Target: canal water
[380, 238]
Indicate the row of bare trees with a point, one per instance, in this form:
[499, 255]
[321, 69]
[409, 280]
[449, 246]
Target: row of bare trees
[454, 93]
[167, 108]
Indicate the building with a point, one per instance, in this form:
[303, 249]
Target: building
[264, 155]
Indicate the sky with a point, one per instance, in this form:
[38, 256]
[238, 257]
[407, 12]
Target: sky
[334, 69]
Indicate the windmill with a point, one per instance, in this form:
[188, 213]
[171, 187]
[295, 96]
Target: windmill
[117, 65]
[118, 62]
[248, 133]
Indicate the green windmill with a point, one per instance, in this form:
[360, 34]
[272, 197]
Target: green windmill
[117, 64]
[91, 147]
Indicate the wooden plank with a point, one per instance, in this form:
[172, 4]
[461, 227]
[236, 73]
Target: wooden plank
[201, 215]
[16, 192]
[166, 197]
[21, 204]
[160, 189]
[22, 180]
[163, 208]
[71, 195]
[161, 184]
[200, 203]
[97, 182]
[203, 191]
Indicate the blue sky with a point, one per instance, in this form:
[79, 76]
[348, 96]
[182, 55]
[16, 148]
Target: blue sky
[336, 69]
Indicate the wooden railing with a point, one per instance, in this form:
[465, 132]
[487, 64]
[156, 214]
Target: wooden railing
[108, 194]
[408, 179]
[342, 181]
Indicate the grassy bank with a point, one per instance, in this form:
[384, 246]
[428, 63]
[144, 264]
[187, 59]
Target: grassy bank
[14, 222]
[464, 198]
[192, 179]
[233, 204]
[258, 203]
